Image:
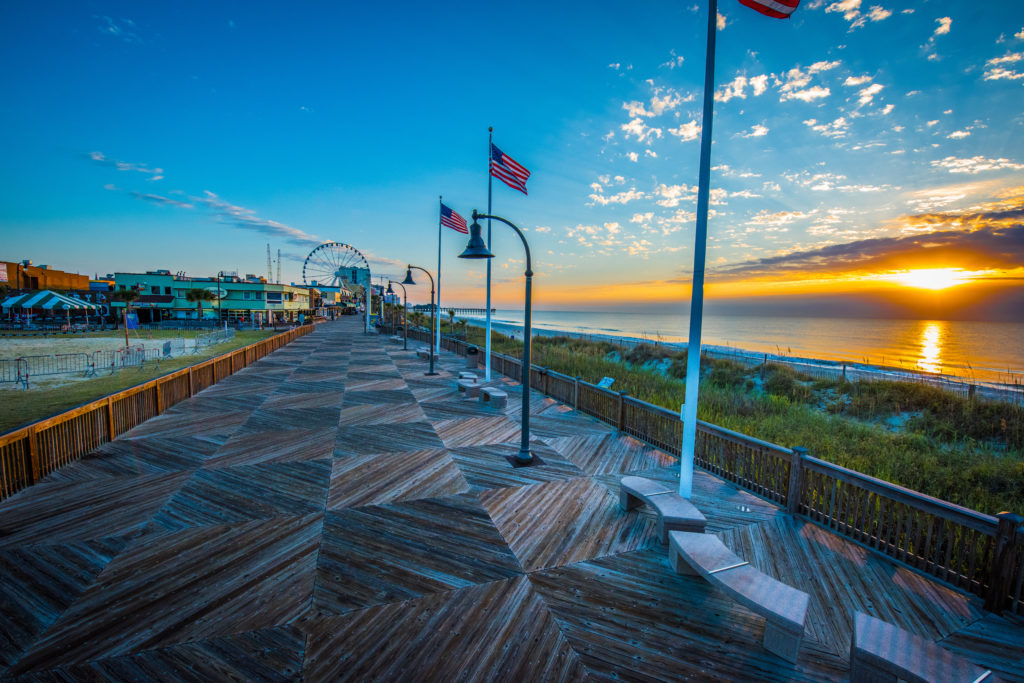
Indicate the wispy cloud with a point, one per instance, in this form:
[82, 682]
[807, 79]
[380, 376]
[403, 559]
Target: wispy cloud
[851, 11]
[756, 131]
[995, 69]
[158, 199]
[103, 160]
[686, 131]
[244, 218]
[123, 29]
[976, 164]
[795, 83]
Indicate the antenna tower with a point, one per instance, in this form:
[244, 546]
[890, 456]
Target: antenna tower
[278, 266]
[270, 272]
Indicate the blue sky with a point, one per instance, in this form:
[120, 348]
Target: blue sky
[849, 140]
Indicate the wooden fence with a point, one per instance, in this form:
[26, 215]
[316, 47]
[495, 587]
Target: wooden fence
[30, 453]
[976, 552]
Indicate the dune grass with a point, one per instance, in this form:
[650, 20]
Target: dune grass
[969, 452]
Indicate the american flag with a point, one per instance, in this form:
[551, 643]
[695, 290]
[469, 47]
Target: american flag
[780, 9]
[453, 220]
[507, 170]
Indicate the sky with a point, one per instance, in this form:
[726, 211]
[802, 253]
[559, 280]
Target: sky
[867, 158]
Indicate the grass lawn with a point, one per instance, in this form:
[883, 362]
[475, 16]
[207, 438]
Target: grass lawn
[19, 407]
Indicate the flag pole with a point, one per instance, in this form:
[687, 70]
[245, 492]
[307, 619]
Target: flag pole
[437, 337]
[487, 330]
[699, 249]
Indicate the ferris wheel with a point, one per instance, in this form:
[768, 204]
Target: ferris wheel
[333, 264]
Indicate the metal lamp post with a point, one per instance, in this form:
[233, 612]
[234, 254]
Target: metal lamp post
[405, 309]
[477, 248]
[409, 281]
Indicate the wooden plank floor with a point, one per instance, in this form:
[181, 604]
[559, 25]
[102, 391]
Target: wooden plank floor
[331, 513]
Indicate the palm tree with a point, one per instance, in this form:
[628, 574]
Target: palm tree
[127, 296]
[198, 296]
[451, 321]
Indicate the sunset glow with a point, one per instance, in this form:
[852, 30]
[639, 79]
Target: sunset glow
[932, 278]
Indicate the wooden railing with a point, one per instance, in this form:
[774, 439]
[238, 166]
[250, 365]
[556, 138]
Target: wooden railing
[30, 453]
[976, 552]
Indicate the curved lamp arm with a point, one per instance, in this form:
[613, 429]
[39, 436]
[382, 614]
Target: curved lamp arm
[529, 266]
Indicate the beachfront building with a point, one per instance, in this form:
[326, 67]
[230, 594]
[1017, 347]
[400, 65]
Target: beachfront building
[22, 276]
[250, 300]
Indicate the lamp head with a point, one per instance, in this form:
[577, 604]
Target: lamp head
[408, 277]
[389, 290]
[476, 248]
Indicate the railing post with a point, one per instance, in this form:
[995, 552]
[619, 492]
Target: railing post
[110, 419]
[159, 399]
[544, 382]
[622, 410]
[1003, 555]
[191, 383]
[796, 480]
[33, 455]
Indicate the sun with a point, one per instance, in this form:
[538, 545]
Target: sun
[932, 278]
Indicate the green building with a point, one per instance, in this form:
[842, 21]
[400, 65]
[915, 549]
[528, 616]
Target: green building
[163, 296]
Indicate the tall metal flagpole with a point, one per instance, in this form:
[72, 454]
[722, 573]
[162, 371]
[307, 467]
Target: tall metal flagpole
[437, 337]
[487, 332]
[699, 248]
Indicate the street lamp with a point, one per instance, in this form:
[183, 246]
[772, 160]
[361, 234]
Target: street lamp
[477, 248]
[408, 281]
[405, 308]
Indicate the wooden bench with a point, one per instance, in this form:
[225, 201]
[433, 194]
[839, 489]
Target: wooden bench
[495, 396]
[674, 511]
[784, 607]
[883, 652]
[470, 386]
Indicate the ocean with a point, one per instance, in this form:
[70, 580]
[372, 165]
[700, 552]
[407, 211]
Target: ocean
[977, 351]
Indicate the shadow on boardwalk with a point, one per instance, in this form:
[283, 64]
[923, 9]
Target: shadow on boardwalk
[332, 513]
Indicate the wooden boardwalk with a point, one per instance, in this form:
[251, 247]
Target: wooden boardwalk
[331, 513]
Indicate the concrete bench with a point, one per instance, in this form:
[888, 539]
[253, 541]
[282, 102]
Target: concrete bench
[883, 652]
[470, 386]
[395, 339]
[494, 396]
[784, 607]
[675, 513]
[423, 354]
[465, 374]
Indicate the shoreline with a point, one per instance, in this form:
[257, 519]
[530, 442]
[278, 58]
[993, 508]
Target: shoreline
[815, 367]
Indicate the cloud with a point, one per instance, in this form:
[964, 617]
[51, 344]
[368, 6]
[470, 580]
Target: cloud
[958, 134]
[976, 164]
[759, 84]
[835, 129]
[944, 25]
[851, 12]
[244, 218]
[732, 89]
[119, 28]
[632, 156]
[157, 199]
[995, 71]
[768, 218]
[103, 160]
[867, 94]
[686, 131]
[671, 195]
[757, 131]
[794, 83]
[637, 128]
[857, 80]
[675, 62]
[623, 197]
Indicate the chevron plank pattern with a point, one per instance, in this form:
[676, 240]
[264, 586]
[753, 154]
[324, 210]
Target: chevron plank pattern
[331, 512]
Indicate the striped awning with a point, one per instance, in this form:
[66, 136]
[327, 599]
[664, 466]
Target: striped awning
[47, 300]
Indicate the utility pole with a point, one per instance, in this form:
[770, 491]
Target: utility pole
[270, 268]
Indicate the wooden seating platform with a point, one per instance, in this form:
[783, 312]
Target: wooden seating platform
[784, 607]
[494, 396]
[674, 511]
[468, 386]
[883, 652]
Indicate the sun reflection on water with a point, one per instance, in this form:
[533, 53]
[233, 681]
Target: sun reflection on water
[931, 348]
